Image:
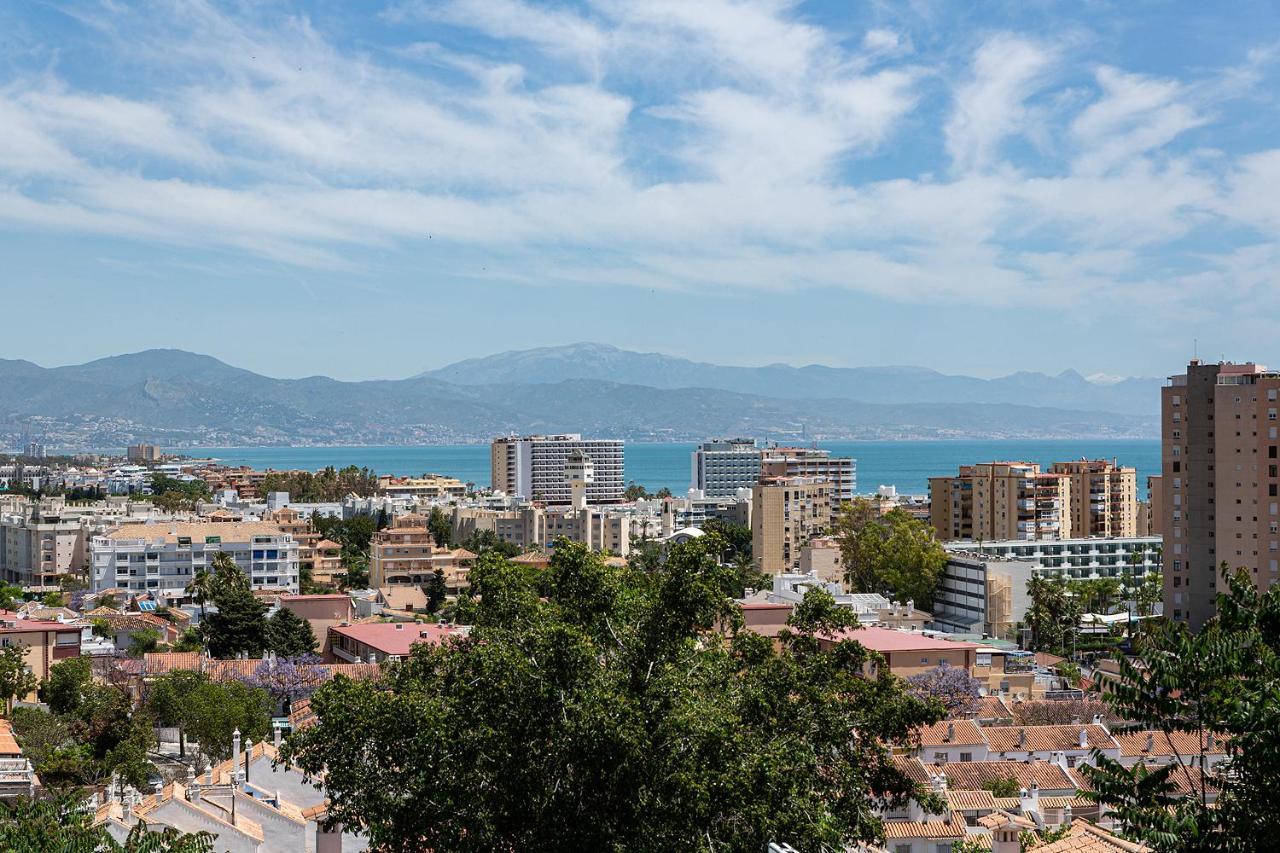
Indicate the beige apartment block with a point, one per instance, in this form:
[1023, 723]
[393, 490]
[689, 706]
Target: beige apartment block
[813, 463]
[1104, 497]
[1001, 500]
[1155, 505]
[1219, 482]
[786, 513]
[407, 553]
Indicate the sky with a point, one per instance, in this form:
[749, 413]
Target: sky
[372, 189]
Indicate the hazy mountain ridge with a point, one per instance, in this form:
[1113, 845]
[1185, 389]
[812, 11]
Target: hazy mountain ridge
[174, 398]
[891, 384]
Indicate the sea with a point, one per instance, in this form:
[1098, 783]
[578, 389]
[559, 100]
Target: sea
[906, 465]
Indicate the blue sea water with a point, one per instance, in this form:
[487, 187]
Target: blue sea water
[905, 464]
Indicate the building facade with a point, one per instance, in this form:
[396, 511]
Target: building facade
[723, 466]
[983, 589]
[143, 453]
[162, 558]
[533, 467]
[786, 513]
[1220, 482]
[840, 471]
[1104, 497]
[1001, 500]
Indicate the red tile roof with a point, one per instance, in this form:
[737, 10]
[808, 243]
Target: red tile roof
[396, 638]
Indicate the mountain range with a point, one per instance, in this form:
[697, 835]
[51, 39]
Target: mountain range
[177, 398]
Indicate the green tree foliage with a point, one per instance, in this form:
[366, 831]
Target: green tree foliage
[1053, 617]
[355, 535]
[892, 554]
[435, 589]
[737, 537]
[325, 486]
[289, 635]
[1224, 680]
[1007, 787]
[53, 599]
[39, 826]
[1096, 595]
[598, 708]
[16, 680]
[144, 641]
[174, 495]
[240, 622]
[209, 712]
[10, 596]
[481, 541]
[441, 527]
[90, 731]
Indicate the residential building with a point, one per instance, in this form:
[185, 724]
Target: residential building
[786, 513]
[17, 776]
[407, 553]
[810, 462]
[1155, 505]
[163, 557]
[821, 557]
[1154, 747]
[533, 467]
[1001, 500]
[1220, 477]
[322, 612]
[723, 466]
[951, 740]
[40, 547]
[378, 642]
[1104, 497]
[983, 588]
[46, 643]
[523, 526]
[908, 653]
[431, 487]
[143, 453]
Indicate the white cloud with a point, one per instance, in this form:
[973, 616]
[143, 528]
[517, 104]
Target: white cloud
[990, 105]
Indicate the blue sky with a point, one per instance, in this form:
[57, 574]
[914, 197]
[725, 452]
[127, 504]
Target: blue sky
[371, 189]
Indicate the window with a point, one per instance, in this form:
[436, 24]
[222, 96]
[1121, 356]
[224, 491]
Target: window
[966, 756]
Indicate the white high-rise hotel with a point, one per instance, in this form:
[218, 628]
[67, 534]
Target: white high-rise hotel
[533, 467]
[723, 466]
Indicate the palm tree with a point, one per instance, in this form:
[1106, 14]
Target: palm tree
[201, 588]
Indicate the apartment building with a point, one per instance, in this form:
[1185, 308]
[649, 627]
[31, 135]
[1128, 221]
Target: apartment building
[1155, 505]
[1104, 497]
[407, 553]
[533, 467]
[46, 643]
[786, 513]
[1220, 482]
[431, 487]
[723, 466]
[143, 453]
[39, 547]
[983, 589]
[163, 557]
[1001, 500]
[840, 471]
[379, 642]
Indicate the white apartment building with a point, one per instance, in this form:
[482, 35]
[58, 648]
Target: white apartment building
[162, 558]
[984, 587]
[532, 467]
[723, 466]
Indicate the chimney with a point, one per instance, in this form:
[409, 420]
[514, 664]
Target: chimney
[1151, 743]
[951, 732]
[1097, 719]
[276, 736]
[1059, 758]
[1022, 738]
[1210, 742]
[248, 754]
[1084, 738]
[235, 742]
[1067, 817]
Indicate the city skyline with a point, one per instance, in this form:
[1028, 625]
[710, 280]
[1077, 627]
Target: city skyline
[665, 176]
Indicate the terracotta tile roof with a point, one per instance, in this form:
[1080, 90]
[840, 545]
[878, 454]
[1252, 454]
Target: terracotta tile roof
[953, 827]
[158, 663]
[1086, 837]
[8, 743]
[1001, 818]
[970, 801]
[1150, 742]
[971, 775]
[992, 708]
[1063, 802]
[912, 769]
[951, 733]
[169, 531]
[1048, 738]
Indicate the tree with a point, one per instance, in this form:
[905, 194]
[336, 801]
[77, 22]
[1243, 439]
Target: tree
[67, 684]
[954, 687]
[893, 554]
[190, 641]
[16, 678]
[440, 526]
[1222, 681]
[10, 596]
[481, 541]
[435, 590]
[595, 707]
[1053, 617]
[201, 588]
[288, 679]
[208, 712]
[239, 625]
[1006, 787]
[36, 826]
[737, 537]
[289, 635]
[52, 599]
[634, 492]
[144, 641]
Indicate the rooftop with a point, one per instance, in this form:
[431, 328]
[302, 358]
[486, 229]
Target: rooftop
[196, 531]
[888, 640]
[396, 638]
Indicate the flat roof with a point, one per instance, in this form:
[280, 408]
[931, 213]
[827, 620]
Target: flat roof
[196, 531]
[889, 640]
